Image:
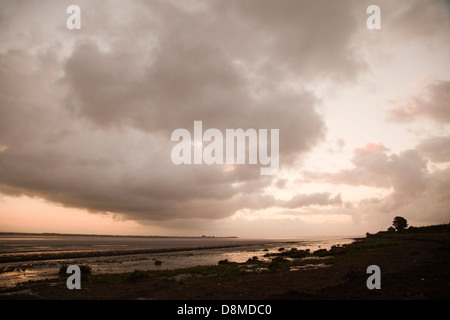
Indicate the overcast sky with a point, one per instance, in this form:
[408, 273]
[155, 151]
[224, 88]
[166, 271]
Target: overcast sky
[86, 115]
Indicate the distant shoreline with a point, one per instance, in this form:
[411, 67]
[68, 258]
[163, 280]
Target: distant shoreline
[21, 257]
[109, 235]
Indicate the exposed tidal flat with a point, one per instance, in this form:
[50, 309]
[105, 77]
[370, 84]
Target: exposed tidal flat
[414, 265]
[31, 257]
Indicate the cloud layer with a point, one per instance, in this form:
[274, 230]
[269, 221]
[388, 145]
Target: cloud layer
[86, 120]
[86, 116]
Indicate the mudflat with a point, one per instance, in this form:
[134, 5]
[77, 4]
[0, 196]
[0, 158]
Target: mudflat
[413, 266]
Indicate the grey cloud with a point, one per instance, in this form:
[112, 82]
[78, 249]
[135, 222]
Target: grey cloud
[417, 19]
[432, 103]
[181, 86]
[86, 122]
[437, 149]
[373, 166]
[416, 192]
[305, 200]
[304, 39]
[429, 206]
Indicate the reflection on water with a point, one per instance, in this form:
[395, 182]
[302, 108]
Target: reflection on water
[16, 272]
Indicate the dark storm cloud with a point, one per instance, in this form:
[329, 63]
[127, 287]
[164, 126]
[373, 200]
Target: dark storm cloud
[86, 116]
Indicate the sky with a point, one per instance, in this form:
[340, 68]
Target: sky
[86, 116]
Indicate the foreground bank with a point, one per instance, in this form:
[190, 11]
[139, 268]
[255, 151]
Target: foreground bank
[412, 266]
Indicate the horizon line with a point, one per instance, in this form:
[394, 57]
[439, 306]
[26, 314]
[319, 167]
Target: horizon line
[107, 235]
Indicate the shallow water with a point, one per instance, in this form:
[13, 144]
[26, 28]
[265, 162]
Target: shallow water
[13, 273]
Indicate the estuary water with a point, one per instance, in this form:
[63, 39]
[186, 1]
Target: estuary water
[25, 257]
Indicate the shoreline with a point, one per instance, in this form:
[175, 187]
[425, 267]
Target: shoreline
[75, 254]
[24, 267]
[58, 254]
[110, 235]
[413, 266]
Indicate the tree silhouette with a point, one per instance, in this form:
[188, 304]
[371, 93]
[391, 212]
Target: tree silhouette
[399, 223]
